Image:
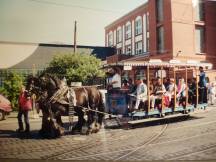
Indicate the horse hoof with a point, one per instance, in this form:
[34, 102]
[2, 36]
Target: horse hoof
[85, 130]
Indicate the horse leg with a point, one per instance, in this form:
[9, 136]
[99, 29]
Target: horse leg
[45, 123]
[100, 116]
[91, 122]
[81, 120]
[58, 119]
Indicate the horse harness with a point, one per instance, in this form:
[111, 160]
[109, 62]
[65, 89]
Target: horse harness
[71, 95]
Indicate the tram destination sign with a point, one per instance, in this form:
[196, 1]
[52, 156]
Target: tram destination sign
[127, 67]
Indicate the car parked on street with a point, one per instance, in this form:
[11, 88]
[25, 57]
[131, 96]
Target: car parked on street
[5, 107]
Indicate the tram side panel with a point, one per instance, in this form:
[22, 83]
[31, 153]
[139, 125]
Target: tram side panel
[116, 104]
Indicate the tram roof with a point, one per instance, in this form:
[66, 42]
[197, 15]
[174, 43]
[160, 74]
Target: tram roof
[159, 63]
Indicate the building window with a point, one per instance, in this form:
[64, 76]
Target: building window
[138, 48]
[160, 39]
[147, 22]
[148, 39]
[148, 42]
[128, 31]
[128, 49]
[138, 26]
[159, 10]
[119, 51]
[199, 10]
[110, 39]
[119, 35]
[200, 39]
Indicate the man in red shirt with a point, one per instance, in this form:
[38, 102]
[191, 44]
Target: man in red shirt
[25, 104]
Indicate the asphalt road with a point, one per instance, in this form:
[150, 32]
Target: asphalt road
[183, 138]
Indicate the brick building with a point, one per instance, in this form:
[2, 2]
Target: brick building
[165, 29]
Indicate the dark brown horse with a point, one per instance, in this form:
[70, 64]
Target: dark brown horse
[54, 101]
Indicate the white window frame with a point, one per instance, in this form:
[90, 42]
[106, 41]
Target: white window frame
[138, 48]
[138, 26]
[128, 32]
[200, 39]
[110, 39]
[128, 49]
[199, 10]
[119, 35]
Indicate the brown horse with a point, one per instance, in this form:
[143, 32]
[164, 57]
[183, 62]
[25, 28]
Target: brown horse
[54, 101]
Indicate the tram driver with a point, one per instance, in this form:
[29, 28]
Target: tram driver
[115, 81]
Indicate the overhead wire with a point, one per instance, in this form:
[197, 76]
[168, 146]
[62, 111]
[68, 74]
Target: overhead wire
[76, 6]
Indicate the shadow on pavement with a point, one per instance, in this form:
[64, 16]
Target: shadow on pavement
[33, 134]
[13, 134]
[163, 121]
[158, 121]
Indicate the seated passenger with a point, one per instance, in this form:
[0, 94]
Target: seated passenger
[192, 91]
[181, 90]
[212, 92]
[132, 87]
[170, 89]
[139, 95]
[125, 85]
[158, 92]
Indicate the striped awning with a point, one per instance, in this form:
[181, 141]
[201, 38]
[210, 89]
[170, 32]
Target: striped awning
[159, 63]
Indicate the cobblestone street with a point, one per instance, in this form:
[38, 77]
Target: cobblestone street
[184, 138]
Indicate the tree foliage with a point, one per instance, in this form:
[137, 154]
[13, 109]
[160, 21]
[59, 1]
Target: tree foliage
[76, 67]
[11, 88]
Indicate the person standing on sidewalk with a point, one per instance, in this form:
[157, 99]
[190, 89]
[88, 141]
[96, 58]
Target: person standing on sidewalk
[25, 104]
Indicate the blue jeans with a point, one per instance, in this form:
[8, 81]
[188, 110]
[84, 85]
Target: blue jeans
[26, 120]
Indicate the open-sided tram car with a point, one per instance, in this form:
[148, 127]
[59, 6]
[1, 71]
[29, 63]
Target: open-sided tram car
[116, 103]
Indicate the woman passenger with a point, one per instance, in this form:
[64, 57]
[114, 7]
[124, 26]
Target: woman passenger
[181, 90]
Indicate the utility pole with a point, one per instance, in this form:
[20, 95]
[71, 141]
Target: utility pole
[75, 36]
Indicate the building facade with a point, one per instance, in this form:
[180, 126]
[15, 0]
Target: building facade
[166, 29]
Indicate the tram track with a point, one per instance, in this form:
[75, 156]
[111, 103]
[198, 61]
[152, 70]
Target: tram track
[130, 150]
[149, 143]
[178, 157]
[154, 137]
[109, 144]
[91, 143]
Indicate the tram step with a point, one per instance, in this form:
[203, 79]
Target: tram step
[156, 119]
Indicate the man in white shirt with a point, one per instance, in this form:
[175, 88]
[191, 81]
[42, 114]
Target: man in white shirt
[139, 95]
[116, 80]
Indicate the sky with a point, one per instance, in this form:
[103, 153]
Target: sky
[52, 21]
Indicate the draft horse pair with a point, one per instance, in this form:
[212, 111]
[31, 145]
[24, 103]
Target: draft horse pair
[86, 98]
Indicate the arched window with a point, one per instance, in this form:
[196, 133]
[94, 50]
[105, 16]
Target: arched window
[119, 35]
[128, 30]
[138, 25]
[110, 39]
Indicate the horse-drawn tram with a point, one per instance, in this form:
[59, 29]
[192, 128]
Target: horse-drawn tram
[181, 95]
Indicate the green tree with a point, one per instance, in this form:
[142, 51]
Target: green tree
[11, 88]
[76, 67]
